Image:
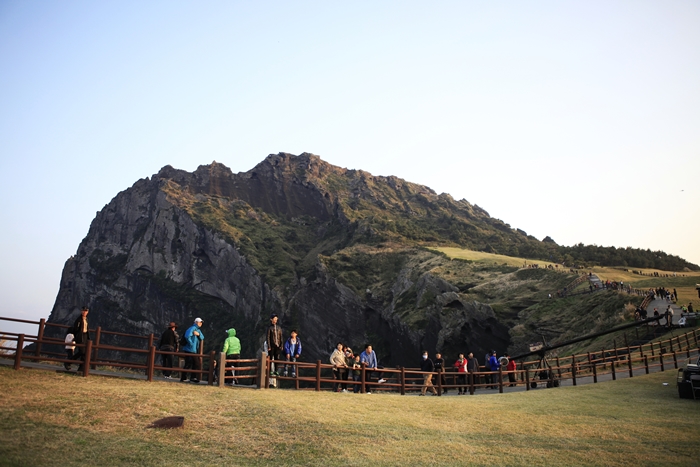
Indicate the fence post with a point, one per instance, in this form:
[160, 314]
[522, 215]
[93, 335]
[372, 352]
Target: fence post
[40, 336]
[471, 383]
[500, 380]
[603, 357]
[614, 373]
[363, 378]
[98, 335]
[318, 375]
[151, 363]
[222, 370]
[18, 351]
[573, 371]
[646, 363]
[595, 373]
[652, 349]
[403, 381]
[629, 363]
[670, 342]
[558, 367]
[527, 379]
[262, 369]
[661, 360]
[439, 377]
[201, 359]
[675, 360]
[86, 363]
[210, 376]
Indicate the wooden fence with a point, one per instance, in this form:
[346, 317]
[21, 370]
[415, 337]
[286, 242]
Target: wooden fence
[317, 376]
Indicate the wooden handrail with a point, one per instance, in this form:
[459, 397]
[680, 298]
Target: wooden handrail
[401, 379]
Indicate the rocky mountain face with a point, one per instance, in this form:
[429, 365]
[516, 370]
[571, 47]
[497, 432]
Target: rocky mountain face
[337, 254]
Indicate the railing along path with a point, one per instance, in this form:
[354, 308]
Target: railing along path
[574, 369]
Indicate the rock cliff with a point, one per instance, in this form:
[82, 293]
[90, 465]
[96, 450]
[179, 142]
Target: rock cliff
[336, 253]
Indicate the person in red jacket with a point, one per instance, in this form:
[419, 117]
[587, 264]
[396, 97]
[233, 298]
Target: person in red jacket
[511, 370]
[461, 365]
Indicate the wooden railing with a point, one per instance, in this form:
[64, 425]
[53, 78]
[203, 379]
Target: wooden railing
[319, 376]
[147, 357]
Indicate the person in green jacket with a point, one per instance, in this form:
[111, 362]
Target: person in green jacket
[232, 349]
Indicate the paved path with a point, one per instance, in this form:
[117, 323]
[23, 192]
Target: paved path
[622, 372]
[661, 305]
[595, 281]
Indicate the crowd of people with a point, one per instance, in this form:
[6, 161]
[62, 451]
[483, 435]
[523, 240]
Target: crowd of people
[347, 366]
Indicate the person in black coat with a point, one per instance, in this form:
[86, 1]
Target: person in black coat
[439, 363]
[168, 343]
[427, 365]
[81, 334]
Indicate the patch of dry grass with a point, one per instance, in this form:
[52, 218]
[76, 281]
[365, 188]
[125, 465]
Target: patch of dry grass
[482, 257]
[58, 419]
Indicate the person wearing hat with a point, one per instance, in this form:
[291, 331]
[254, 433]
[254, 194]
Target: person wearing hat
[168, 343]
[193, 336]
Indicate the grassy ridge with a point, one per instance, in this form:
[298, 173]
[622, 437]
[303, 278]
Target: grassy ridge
[56, 419]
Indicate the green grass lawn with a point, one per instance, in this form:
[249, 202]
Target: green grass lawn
[57, 419]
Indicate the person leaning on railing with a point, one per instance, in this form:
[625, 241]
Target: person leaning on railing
[292, 350]
[369, 358]
[340, 368]
[193, 336]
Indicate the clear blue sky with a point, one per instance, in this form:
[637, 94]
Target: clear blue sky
[577, 120]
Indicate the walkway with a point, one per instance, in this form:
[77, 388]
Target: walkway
[621, 373]
[661, 304]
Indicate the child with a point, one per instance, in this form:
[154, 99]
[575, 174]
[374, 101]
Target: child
[356, 373]
[292, 350]
[70, 347]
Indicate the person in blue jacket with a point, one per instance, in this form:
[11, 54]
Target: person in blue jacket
[369, 358]
[292, 350]
[494, 366]
[192, 337]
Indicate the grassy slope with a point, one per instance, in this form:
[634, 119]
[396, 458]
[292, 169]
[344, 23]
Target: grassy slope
[480, 256]
[520, 300]
[56, 419]
[684, 283]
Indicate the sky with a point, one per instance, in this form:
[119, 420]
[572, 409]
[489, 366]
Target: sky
[574, 120]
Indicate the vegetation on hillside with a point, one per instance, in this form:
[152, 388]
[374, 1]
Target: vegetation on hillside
[374, 240]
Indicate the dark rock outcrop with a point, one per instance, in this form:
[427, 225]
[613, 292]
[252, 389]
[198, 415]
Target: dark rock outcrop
[235, 248]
